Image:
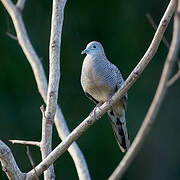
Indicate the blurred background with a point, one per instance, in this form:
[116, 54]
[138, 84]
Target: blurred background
[124, 31]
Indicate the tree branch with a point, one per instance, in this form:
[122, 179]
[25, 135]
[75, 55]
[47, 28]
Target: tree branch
[174, 79]
[11, 36]
[31, 161]
[158, 98]
[41, 81]
[151, 21]
[9, 164]
[32, 143]
[128, 83]
[177, 75]
[20, 4]
[54, 77]
[46, 142]
[76, 133]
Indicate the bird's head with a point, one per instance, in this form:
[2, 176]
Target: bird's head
[94, 48]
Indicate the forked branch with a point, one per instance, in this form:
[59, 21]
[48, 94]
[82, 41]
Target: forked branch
[175, 77]
[157, 101]
[39, 74]
[9, 164]
[76, 133]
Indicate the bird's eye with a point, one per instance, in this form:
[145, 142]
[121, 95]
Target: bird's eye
[94, 46]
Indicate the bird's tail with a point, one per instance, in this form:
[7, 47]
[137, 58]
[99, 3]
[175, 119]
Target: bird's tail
[118, 122]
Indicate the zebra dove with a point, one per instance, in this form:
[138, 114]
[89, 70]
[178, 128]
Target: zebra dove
[100, 79]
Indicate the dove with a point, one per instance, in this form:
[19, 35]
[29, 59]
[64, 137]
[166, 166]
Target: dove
[100, 79]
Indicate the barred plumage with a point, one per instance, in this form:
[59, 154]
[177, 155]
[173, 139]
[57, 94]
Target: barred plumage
[100, 79]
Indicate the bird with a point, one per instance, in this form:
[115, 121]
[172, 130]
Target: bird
[100, 79]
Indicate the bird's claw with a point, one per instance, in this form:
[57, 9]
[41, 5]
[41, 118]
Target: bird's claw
[109, 100]
[93, 113]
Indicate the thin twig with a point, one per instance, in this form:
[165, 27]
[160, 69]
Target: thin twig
[174, 79]
[20, 4]
[151, 21]
[76, 133]
[32, 143]
[166, 43]
[11, 36]
[39, 74]
[31, 161]
[157, 101]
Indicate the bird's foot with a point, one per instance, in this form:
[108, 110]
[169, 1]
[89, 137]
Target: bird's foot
[109, 100]
[93, 113]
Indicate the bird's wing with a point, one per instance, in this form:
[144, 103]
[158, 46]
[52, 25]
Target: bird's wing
[119, 83]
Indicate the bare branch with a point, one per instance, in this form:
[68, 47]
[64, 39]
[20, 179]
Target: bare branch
[31, 161]
[54, 77]
[9, 164]
[166, 43]
[149, 53]
[158, 98]
[11, 36]
[41, 81]
[32, 143]
[151, 21]
[46, 143]
[89, 120]
[174, 79]
[20, 4]
[62, 147]
[74, 150]
[76, 133]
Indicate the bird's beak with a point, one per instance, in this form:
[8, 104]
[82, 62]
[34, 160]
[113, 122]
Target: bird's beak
[85, 51]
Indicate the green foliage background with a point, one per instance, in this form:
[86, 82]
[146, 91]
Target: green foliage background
[125, 33]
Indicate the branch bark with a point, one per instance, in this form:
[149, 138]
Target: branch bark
[54, 77]
[46, 143]
[76, 133]
[174, 79]
[158, 98]
[20, 4]
[41, 81]
[32, 143]
[9, 164]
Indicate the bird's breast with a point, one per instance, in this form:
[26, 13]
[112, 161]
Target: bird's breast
[94, 82]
